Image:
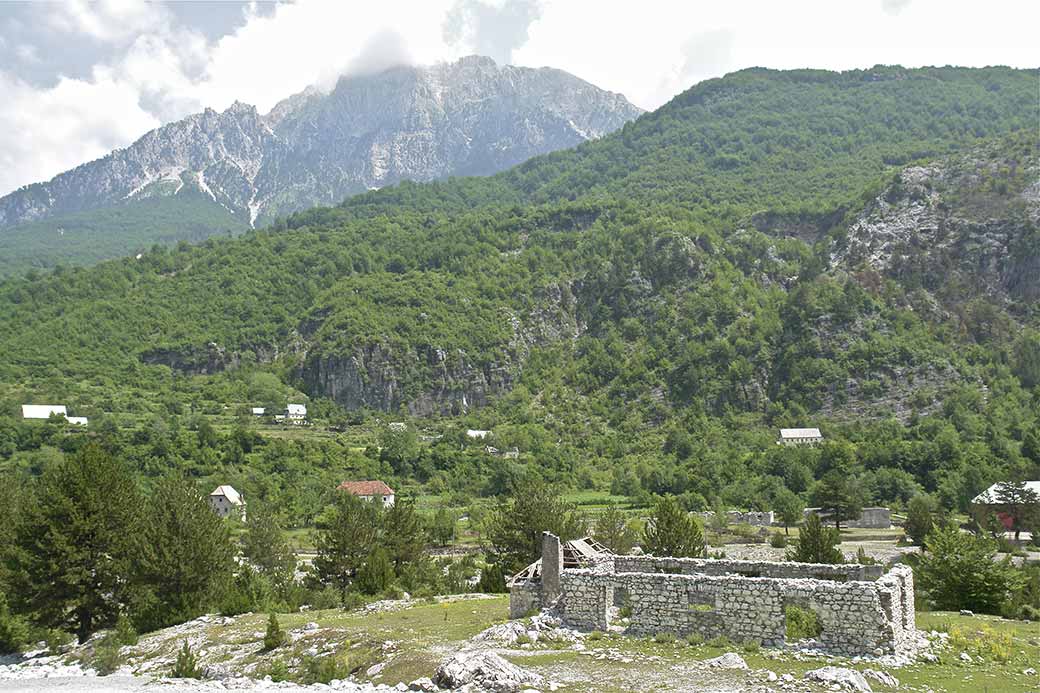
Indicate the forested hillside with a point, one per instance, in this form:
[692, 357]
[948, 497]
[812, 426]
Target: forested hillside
[636, 315]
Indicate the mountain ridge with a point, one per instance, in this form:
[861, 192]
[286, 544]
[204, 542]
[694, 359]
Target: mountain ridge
[318, 148]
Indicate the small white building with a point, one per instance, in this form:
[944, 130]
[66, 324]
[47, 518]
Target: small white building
[258, 411]
[370, 491]
[800, 436]
[397, 426]
[43, 411]
[477, 434]
[77, 420]
[296, 412]
[226, 501]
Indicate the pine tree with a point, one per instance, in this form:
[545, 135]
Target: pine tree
[345, 537]
[816, 543]
[184, 557]
[670, 531]
[186, 666]
[837, 497]
[275, 636]
[515, 526]
[265, 546]
[376, 575]
[74, 542]
[613, 530]
[492, 581]
[789, 508]
[404, 536]
[919, 518]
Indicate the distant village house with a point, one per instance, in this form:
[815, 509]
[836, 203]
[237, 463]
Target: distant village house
[800, 436]
[296, 413]
[370, 491]
[45, 411]
[258, 411]
[477, 434]
[226, 501]
[1013, 503]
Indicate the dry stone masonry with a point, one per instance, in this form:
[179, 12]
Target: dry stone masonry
[861, 608]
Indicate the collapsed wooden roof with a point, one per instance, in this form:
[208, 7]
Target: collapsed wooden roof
[577, 553]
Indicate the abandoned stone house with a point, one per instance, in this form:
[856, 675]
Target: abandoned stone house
[861, 608]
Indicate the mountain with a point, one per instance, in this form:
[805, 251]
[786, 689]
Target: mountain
[854, 250]
[471, 117]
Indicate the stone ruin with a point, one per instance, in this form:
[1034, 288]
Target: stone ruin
[861, 608]
[869, 518]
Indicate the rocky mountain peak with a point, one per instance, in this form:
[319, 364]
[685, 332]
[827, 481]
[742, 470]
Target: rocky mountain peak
[470, 117]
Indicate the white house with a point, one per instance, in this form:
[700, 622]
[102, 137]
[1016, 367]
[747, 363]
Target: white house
[397, 426]
[258, 411]
[369, 491]
[225, 501]
[477, 434]
[43, 411]
[77, 420]
[296, 412]
[800, 436]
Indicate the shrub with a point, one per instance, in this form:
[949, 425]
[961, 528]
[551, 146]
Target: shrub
[56, 639]
[985, 642]
[124, 632]
[778, 540]
[324, 670]
[186, 666]
[920, 513]
[106, 655]
[752, 646]
[14, 631]
[664, 638]
[274, 637]
[801, 623]
[694, 640]
[278, 671]
[594, 635]
[523, 639]
[959, 571]
[720, 641]
[324, 598]
[625, 611]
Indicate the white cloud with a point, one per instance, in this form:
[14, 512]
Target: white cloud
[158, 70]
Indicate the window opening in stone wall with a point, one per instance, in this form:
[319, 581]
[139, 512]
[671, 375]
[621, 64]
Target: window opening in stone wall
[833, 577]
[801, 623]
[702, 601]
[750, 573]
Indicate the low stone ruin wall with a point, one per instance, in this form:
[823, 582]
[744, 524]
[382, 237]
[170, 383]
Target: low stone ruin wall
[861, 609]
[736, 517]
[870, 518]
[859, 617]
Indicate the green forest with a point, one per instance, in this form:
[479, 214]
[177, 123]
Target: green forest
[637, 317]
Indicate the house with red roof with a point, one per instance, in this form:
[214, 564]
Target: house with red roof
[369, 490]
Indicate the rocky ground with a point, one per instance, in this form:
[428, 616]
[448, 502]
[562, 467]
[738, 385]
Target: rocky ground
[465, 644]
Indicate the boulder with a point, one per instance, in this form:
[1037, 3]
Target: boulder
[882, 677]
[849, 679]
[730, 660]
[484, 669]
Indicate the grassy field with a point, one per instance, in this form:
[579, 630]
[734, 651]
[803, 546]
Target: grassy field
[408, 643]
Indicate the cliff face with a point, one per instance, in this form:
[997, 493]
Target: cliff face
[438, 379]
[956, 230]
[471, 117]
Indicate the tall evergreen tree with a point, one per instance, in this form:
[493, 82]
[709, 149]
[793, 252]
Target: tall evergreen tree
[515, 526]
[613, 530]
[183, 559]
[670, 531]
[74, 542]
[345, 536]
[920, 518]
[789, 508]
[404, 536]
[838, 497]
[264, 544]
[816, 543]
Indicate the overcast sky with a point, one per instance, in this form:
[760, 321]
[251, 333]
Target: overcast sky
[78, 79]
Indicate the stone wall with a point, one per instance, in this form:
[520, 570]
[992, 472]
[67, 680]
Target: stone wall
[736, 517]
[861, 609]
[870, 518]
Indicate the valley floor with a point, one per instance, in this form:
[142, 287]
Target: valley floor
[394, 642]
